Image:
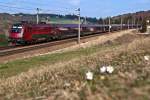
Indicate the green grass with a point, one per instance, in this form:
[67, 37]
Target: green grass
[3, 40]
[16, 67]
[63, 21]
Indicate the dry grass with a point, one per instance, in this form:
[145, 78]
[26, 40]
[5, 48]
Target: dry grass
[142, 43]
[66, 80]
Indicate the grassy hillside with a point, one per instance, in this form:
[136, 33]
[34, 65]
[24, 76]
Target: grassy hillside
[62, 75]
[62, 21]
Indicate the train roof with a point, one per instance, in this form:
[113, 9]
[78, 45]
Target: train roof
[76, 25]
[68, 25]
[84, 25]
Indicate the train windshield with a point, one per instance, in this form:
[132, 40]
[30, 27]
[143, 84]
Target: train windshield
[16, 29]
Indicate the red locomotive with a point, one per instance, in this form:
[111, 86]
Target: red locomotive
[33, 33]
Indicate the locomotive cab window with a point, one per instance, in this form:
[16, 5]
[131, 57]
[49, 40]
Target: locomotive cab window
[16, 30]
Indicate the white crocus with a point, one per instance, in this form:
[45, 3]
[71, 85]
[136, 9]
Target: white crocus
[103, 69]
[147, 58]
[89, 75]
[110, 69]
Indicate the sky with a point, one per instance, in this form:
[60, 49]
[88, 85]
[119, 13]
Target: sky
[89, 8]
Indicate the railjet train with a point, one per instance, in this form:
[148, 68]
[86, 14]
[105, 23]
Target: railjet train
[25, 33]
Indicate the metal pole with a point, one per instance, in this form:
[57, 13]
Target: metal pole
[121, 23]
[137, 24]
[104, 24]
[85, 21]
[37, 17]
[109, 25]
[79, 26]
[128, 24]
[132, 23]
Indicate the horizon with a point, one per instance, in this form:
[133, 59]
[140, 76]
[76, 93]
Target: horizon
[72, 14]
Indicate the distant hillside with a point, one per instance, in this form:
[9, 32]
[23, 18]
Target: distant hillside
[137, 17]
[6, 20]
[141, 14]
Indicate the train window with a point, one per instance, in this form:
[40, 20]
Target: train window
[15, 30]
[84, 28]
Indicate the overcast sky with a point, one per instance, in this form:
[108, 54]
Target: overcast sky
[92, 8]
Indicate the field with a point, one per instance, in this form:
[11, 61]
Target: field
[61, 75]
[3, 40]
[63, 21]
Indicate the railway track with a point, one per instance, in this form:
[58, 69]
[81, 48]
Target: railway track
[5, 48]
[6, 51]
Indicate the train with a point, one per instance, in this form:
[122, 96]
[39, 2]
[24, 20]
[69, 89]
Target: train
[25, 33]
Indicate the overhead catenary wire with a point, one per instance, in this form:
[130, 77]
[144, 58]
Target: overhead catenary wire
[12, 10]
[43, 4]
[8, 10]
[15, 7]
[65, 9]
[34, 9]
[47, 5]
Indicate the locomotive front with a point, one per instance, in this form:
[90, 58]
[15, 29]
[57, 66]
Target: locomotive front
[16, 34]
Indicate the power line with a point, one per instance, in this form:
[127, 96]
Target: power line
[10, 4]
[34, 9]
[16, 7]
[8, 10]
[31, 3]
[47, 5]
